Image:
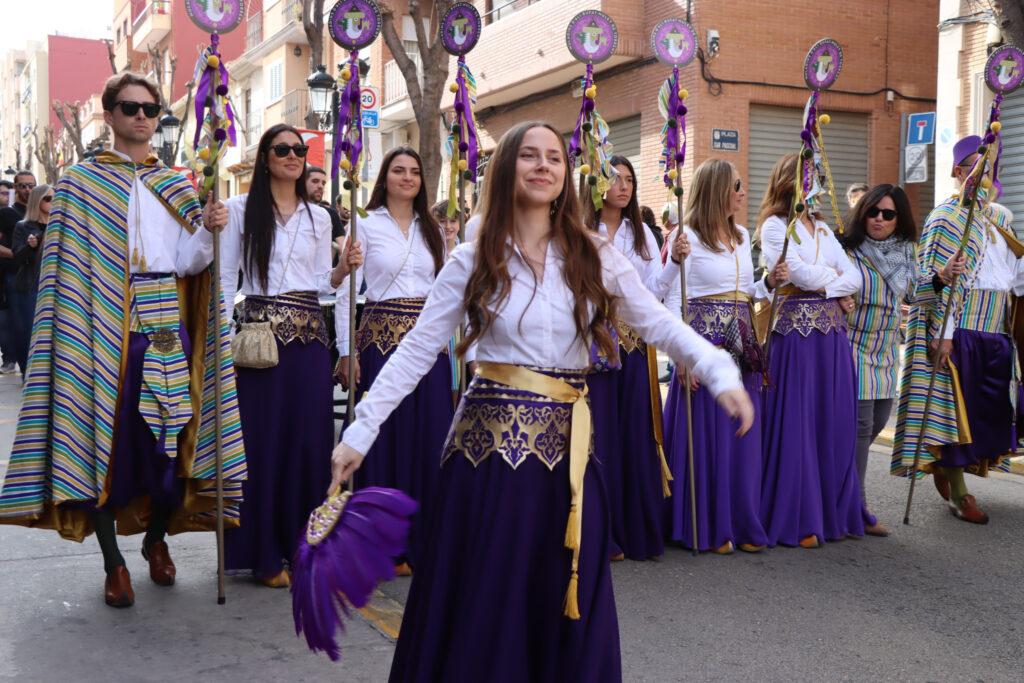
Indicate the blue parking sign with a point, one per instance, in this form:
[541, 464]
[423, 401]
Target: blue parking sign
[371, 119]
[921, 128]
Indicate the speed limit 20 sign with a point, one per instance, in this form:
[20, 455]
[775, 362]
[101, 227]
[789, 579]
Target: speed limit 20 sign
[369, 103]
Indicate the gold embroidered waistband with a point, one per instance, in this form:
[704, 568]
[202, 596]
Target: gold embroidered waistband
[806, 315]
[629, 340]
[292, 316]
[385, 323]
[730, 297]
[793, 290]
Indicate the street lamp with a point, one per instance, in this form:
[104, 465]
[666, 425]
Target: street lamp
[171, 124]
[158, 140]
[321, 86]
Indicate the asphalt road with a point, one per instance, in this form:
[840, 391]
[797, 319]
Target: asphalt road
[936, 601]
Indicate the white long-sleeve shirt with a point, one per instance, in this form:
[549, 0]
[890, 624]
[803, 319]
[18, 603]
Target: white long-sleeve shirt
[309, 269]
[656, 277]
[535, 327]
[394, 266]
[819, 261]
[709, 272]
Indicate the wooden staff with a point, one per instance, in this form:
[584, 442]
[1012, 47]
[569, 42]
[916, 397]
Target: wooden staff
[773, 307]
[353, 288]
[217, 356]
[460, 365]
[686, 372]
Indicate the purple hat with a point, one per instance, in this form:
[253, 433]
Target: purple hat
[964, 148]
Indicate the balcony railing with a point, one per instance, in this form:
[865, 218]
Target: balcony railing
[254, 31]
[394, 81]
[503, 8]
[291, 9]
[253, 127]
[153, 7]
[296, 107]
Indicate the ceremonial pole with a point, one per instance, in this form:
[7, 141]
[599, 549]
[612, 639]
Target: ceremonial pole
[459, 32]
[675, 44]
[214, 116]
[1004, 73]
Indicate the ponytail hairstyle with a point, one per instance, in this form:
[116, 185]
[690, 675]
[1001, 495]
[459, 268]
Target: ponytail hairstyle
[592, 216]
[489, 282]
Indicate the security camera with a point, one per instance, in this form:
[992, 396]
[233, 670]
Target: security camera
[712, 42]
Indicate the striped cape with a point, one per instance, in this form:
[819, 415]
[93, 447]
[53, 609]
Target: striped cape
[947, 421]
[77, 360]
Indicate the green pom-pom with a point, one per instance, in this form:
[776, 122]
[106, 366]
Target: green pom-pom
[455, 127]
[592, 180]
[586, 126]
[467, 174]
[807, 153]
[982, 149]
[672, 123]
[347, 184]
[677, 191]
[799, 208]
[208, 171]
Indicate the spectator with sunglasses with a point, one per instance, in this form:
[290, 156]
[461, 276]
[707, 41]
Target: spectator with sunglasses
[27, 243]
[281, 242]
[881, 241]
[24, 182]
[975, 407]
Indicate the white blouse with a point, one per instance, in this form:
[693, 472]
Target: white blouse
[394, 267]
[656, 277]
[309, 268]
[819, 261]
[533, 327]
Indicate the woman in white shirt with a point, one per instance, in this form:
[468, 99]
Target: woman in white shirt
[282, 244]
[506, 589]
[720, 288]
[810, 491]
[624, 389]
[405, 249]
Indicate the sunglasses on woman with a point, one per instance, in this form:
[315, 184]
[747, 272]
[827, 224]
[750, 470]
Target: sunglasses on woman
[47, 199]
[887, 214]
[150, 109]
[281, 150]
[737, 185]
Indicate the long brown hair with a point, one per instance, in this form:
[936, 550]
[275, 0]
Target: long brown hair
[710, 200]
[592, 216]
[379, 197]
[778, 197]
[489, 283]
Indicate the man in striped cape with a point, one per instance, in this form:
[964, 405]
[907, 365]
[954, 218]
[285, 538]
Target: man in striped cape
[972, 419]
[117, 418]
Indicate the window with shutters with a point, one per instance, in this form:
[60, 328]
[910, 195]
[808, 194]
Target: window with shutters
[275, 82]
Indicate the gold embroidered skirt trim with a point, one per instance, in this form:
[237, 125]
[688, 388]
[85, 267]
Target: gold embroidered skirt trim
[292, 316]
[629, 340]
[709, 316]
[385, 323]
[806, 313]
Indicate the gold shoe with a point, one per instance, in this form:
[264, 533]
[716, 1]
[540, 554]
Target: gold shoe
[751, 548]
[618, 558]
[725, 549]
[403, 569]
[809, 542]
[282, 580]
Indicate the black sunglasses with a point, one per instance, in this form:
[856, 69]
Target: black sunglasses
[47, 199]
[26, 186]
[887, 214]
[281, 150]
[150, 109]
[736, 187]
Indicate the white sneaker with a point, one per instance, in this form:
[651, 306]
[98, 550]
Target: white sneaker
[8, 369]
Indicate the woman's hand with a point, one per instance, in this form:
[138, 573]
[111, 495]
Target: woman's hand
[779, 274]
[681, 376]
[215, 216]
[341, 372]
[351, 259]
[32, 241]
[737, 405]
[847, 304]
[344, 462]
[680, 247]
[954, 267]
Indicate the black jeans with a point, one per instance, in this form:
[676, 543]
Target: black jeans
[872, 415]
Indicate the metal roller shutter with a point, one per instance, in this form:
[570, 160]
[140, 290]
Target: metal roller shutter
[775, 132]
[625, 137]
[1011, 165]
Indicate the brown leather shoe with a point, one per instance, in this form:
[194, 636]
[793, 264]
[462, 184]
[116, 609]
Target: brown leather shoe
[810, 541]
[968, 510]
[118, 588]
[876, 529]
[161, 568]
[281, 580]
[941, 485]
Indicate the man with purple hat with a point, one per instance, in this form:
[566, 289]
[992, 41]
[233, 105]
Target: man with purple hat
[972, 420]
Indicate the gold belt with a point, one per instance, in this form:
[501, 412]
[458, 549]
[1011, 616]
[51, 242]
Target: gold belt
[523, 379]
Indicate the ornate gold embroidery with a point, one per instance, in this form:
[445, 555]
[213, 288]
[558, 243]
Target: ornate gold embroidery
[629, 340]
[294, 315]
[709, 316]
[385, 323]
[493, 418]
[807, 315]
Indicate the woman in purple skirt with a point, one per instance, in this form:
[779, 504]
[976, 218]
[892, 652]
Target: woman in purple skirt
[810, 490]
[721, 288]
[405, 249]
[515, 584]
[624, 392]
[282, 244]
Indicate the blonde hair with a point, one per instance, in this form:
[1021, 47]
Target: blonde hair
[32, 212]
[708, 207]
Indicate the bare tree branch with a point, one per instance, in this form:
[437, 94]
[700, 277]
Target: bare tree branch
[313, 26]
[401, 57]
[111, 56]
[70, 117]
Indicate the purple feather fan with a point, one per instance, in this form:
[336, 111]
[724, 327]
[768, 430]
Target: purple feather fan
[347, 550]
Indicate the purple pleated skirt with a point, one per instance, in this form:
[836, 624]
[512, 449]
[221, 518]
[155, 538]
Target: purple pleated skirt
[984, 362]
[727, 468]
[626, 452]
[287, 415]
[486, 599]
[809, 481]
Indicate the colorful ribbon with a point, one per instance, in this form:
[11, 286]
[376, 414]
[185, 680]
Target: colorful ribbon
[590, 142]
[673, 135]
[812, 160]
[463, 144]
[348, 129]
[213, 98]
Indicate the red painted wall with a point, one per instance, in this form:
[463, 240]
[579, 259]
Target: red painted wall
[78, 68]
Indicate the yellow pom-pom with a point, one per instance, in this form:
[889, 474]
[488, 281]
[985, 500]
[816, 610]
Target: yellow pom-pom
[996, 127]
[204, 153]
[824, 119]
[591, 91]
[453, 87]
[584, 169]
[683, 93]
[345, 164]
[463, 164]
[986, 182]
[673, 174]
[213, 62]
[346, 75]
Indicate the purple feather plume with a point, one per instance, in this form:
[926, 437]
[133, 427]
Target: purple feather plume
[344, 568]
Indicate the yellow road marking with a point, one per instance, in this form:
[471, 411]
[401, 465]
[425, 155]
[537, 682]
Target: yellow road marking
[384, 613]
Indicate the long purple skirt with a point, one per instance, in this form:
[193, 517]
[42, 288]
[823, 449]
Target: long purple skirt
[407, 452]
[288, 429]
[983, 360]
[626, 452]
[486, 599]
[728, 470]
[809, 482]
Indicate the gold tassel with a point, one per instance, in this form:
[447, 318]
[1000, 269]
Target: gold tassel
[571, 604]
[135, 256]
[666, 474]
[572, 537]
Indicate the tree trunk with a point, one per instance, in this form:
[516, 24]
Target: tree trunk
[1010, 18]
[313, 25]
